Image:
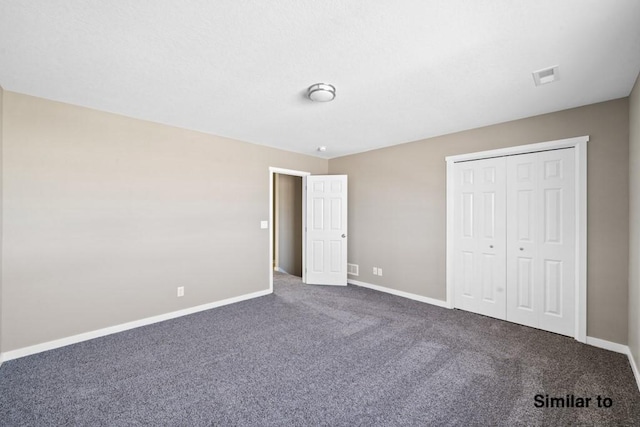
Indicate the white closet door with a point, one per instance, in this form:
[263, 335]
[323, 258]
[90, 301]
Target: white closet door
[541, 240]
[479, 243]
[523, 231]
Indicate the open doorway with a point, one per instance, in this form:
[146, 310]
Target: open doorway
[287, 224]
[286, 219]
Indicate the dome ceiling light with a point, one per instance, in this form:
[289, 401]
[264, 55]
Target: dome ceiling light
[321, 92]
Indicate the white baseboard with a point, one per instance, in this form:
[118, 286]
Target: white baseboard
[50, 345]
[634, 368]
[403, 294]
[618, 348]
[608, 345]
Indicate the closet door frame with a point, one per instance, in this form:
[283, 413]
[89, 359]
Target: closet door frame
[580, 146]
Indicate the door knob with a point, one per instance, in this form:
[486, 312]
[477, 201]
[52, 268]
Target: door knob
[344, 235]
[522, 249]
[491, 246]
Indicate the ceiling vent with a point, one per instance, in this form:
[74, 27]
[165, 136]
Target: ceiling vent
[548, 75]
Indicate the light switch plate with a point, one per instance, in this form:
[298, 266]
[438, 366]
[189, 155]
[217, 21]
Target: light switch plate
[264, 224]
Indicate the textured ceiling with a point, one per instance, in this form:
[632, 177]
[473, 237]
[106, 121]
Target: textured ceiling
[404, 70]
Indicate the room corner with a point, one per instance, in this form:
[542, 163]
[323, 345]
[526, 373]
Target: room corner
[1, 214]
[634, 229]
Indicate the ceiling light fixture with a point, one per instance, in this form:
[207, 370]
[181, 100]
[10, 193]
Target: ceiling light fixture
[321, 92]
[322, 149]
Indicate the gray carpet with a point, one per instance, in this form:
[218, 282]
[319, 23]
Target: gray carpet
[312, 355]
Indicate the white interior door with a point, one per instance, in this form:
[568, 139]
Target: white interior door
[523, 237]
[326, 233]
[479, 240]
[541, 240]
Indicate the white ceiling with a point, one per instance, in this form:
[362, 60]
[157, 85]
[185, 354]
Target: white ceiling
[404, 70]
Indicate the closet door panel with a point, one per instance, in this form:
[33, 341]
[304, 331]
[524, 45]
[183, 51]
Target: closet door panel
[480, 237]
[466, 238]
[540, 240]
[522, 239]
[557, 246]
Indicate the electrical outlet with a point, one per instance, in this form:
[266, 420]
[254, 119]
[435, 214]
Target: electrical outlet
[375, 271]
[180, 291]
[379, 271]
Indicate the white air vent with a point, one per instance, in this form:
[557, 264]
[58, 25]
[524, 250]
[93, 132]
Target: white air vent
[352, 269]
[545, 76]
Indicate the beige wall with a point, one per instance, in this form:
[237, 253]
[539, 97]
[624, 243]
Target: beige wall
[634, 222]
[1, 173]
[289, 214]
[397, 206]
[105, 216]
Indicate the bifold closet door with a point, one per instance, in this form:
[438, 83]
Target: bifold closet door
[479, 241]
[541, 240]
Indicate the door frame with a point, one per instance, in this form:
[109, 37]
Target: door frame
[580, 145]
[272, 172]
